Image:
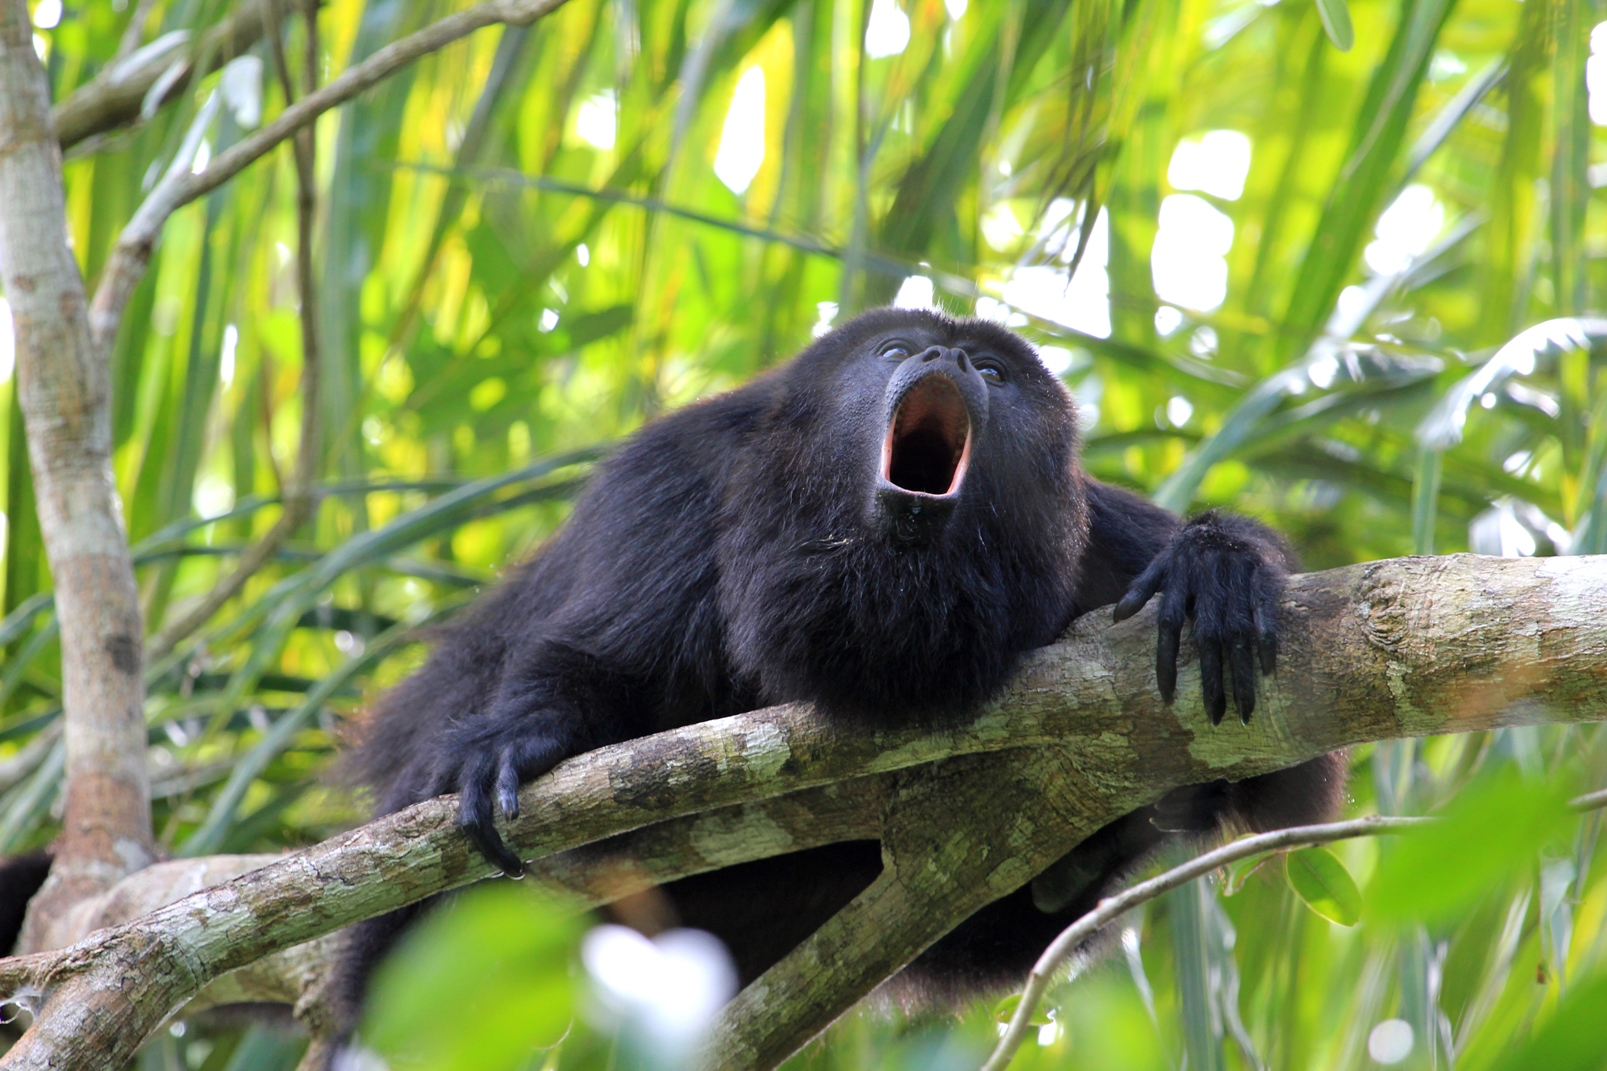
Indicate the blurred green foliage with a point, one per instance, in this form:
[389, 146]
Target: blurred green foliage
[1325, 287]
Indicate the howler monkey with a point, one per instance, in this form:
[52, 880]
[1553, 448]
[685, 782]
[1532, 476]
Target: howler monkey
[883, 525]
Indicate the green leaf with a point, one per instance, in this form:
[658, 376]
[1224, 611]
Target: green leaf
[1239, 873]
[1323, 884]
[479, 986]
[1489, 835]
[1336, 23]
[1006, 1009]
[1572, 1039]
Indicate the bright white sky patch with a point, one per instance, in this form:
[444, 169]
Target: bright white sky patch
[741, 149]
[1000, 228]
[828, 313]
[1178, 411]
[1188, 263]
[1596, 74]
[887, 32]
[1216, 163]
[231, 340]
[671, 985]
[213, 496]
[1082, 302]
[956, 8]
[1390, 1041]
[47, 14]
[916, 293]
[1055, 358]
[596, 121]
[1167, 320]
[1405, 230]
[8, 342]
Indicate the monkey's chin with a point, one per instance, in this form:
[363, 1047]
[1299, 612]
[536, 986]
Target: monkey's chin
[910, 518]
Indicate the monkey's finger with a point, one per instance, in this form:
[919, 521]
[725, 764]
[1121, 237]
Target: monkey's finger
[1216, 700]
[1266, 626]
[1241, 653]
[1142, 589]
[475, 819]
[1173, 607]
[508, 781]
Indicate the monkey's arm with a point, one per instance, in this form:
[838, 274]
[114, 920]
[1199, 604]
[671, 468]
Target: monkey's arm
[1223, 573]
[617, 635]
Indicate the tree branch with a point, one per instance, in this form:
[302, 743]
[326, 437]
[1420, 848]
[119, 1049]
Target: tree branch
[64, 387]
[1408, 647]
[116, 96]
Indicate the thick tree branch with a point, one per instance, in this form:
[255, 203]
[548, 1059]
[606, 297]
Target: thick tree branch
[64, 387]
[1408, 647]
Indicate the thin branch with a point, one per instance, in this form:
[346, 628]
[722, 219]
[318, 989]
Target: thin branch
[132, 254]
[299, 499]
[1590, 801]
[116, 97]
[134, 32]
[1114, 907]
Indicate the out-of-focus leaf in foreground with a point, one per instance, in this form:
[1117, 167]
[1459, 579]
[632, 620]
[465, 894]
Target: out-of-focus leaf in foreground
[1573, 1038]
[478, 986]
[1489, 835]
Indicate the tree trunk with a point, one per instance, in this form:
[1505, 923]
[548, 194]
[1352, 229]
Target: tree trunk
[64, 386]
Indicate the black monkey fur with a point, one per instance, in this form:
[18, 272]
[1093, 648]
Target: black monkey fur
[883, 525]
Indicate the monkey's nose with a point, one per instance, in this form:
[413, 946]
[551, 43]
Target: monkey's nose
[958, 357]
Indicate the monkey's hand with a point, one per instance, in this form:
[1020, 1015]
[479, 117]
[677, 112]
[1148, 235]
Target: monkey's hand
[1225, 574]
[485, 760]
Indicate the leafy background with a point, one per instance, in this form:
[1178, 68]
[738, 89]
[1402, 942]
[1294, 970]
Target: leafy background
[1346, 291]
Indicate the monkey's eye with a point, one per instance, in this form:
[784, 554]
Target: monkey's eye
[896, 350]
[990, 369]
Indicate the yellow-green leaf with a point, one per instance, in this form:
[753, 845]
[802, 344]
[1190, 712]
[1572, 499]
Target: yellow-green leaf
[1321, 880]
[1336, 23]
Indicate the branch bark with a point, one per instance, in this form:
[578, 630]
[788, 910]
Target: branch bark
[1408, 647]
[64, 388]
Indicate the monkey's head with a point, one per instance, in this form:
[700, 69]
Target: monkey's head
[909, 519]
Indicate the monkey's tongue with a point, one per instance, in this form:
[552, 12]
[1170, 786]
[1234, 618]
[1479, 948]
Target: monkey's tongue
[928, 442]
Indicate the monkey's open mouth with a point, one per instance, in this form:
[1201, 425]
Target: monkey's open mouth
[928, 442]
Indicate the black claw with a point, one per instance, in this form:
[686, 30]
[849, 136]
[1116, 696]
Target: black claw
[1244, 687]
[1269, 654]
[487, 840]
[475, 819]
[476, 822]
[1166, 661]
[1216, 700]
[1131, 603]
